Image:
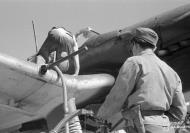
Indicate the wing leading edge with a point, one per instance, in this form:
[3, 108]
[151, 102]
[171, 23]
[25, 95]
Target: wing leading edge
[26, 95]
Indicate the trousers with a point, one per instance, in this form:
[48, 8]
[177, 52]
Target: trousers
[148, 129]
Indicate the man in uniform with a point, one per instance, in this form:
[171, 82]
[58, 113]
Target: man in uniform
[64, 43]
[146, 89]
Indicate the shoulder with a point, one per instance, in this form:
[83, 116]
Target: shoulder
[131, 66]
[134, 60]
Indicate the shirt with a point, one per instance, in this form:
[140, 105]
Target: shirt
[61, 41]
[57, 40]
[146, 80]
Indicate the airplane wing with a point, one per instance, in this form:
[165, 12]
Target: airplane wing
[22, 97]
[25, 95]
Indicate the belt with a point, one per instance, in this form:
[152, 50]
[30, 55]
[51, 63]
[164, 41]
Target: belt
[152, 112]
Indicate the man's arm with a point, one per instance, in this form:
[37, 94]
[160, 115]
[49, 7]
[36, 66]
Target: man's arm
[123, 86]
[178, 108]
[76, 57]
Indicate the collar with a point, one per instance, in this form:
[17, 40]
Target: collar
[147, 51]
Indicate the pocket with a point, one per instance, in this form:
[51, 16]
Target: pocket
[157, 120]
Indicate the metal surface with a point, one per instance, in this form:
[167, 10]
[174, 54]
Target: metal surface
[42, 94]
[108, 51]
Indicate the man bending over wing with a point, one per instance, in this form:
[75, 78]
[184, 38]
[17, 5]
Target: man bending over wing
[64, 43]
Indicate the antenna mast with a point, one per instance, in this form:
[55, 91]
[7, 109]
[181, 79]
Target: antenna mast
[35, 36]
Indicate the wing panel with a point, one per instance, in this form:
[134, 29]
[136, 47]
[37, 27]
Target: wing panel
[41, 97]
[17, 85]
[11, 117]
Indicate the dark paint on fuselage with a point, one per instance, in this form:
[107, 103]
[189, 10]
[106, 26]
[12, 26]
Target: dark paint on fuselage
[107, 52]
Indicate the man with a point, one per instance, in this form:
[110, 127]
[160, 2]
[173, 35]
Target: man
[64, 43]
[85, 33]
[145, 89]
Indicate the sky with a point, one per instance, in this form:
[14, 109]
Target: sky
[16, 32]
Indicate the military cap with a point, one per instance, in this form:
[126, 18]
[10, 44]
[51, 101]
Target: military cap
[147, 35]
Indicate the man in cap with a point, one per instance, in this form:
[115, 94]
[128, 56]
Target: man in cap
[64, 43]
[146, 88]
